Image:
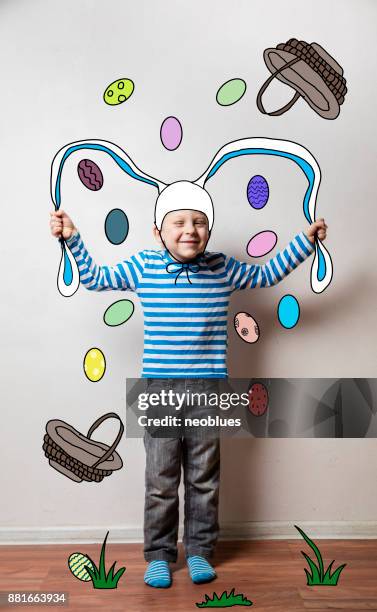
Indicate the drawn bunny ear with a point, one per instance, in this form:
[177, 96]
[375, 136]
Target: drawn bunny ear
[68, 275]
[322, 268]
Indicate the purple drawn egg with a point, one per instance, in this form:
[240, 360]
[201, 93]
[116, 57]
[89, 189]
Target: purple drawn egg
[258, 191]
[90, 175]
[261, 244]
[171, 133]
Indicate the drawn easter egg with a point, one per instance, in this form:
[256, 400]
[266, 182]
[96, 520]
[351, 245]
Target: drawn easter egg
[288, 311]
[118, 313]
[258, 399]
[118, 91]
[116, 226]
[231, 92]
[171, 133]
[94, 364]
[258, 191]
[261, 244]
[77, 562]
[246, 327]
[90, 175]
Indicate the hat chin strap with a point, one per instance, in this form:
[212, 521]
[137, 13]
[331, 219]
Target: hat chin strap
[266, 84]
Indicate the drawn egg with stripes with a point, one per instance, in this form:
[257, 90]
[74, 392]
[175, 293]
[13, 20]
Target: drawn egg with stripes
[258, 192]
[77, 563]
[246, 327]
[90, 175]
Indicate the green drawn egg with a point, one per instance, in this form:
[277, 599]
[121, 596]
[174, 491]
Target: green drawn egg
[118, 91]
[76, 563]
[231, 92]
[118, 313]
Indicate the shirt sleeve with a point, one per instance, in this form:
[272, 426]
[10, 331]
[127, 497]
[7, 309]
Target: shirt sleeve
[123, 276]
[248, 276]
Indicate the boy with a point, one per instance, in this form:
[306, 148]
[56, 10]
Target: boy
[185, 293]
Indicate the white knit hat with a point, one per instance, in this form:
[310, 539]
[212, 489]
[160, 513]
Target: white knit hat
[183, 195]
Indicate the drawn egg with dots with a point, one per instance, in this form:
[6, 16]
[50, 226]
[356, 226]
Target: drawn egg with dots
[246, 327]
[118, 92]
[193, 194]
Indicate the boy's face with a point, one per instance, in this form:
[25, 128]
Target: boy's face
[184, 233]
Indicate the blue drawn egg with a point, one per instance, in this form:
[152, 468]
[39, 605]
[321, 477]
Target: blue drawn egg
[116, 226]
[288, 311]
[258, 191]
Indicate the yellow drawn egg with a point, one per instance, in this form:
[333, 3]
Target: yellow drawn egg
[118, 91]
[94, 364]
[76, 563]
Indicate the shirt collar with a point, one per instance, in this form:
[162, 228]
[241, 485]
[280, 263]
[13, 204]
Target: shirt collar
[176, 268]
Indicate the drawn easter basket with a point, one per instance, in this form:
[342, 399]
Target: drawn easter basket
[79, 457]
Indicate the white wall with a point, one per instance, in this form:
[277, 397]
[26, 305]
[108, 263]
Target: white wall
[59, 57]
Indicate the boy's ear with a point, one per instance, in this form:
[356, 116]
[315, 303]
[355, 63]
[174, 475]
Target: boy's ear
[156, 232]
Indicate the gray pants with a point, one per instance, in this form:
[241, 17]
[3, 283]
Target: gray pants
[199, 455]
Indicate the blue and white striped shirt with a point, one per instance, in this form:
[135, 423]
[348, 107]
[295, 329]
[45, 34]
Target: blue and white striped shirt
[186, 305]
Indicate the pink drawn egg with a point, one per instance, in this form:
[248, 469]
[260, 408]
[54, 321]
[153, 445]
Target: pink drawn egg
[261, 244]
[171, 133]
[246, 327]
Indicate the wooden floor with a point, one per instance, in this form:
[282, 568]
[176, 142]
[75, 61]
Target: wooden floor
[270, 573]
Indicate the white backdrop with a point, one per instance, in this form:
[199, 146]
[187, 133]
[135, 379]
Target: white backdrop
[57, 60]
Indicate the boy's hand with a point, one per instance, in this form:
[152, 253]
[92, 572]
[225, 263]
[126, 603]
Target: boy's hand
[61, 224]
[318, 228]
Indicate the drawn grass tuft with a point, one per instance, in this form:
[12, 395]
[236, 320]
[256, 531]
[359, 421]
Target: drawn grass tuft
[100, 579]
[225, 601]
[317, 575]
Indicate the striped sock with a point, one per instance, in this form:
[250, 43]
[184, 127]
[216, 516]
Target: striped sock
[200, 569]
[158, 574]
